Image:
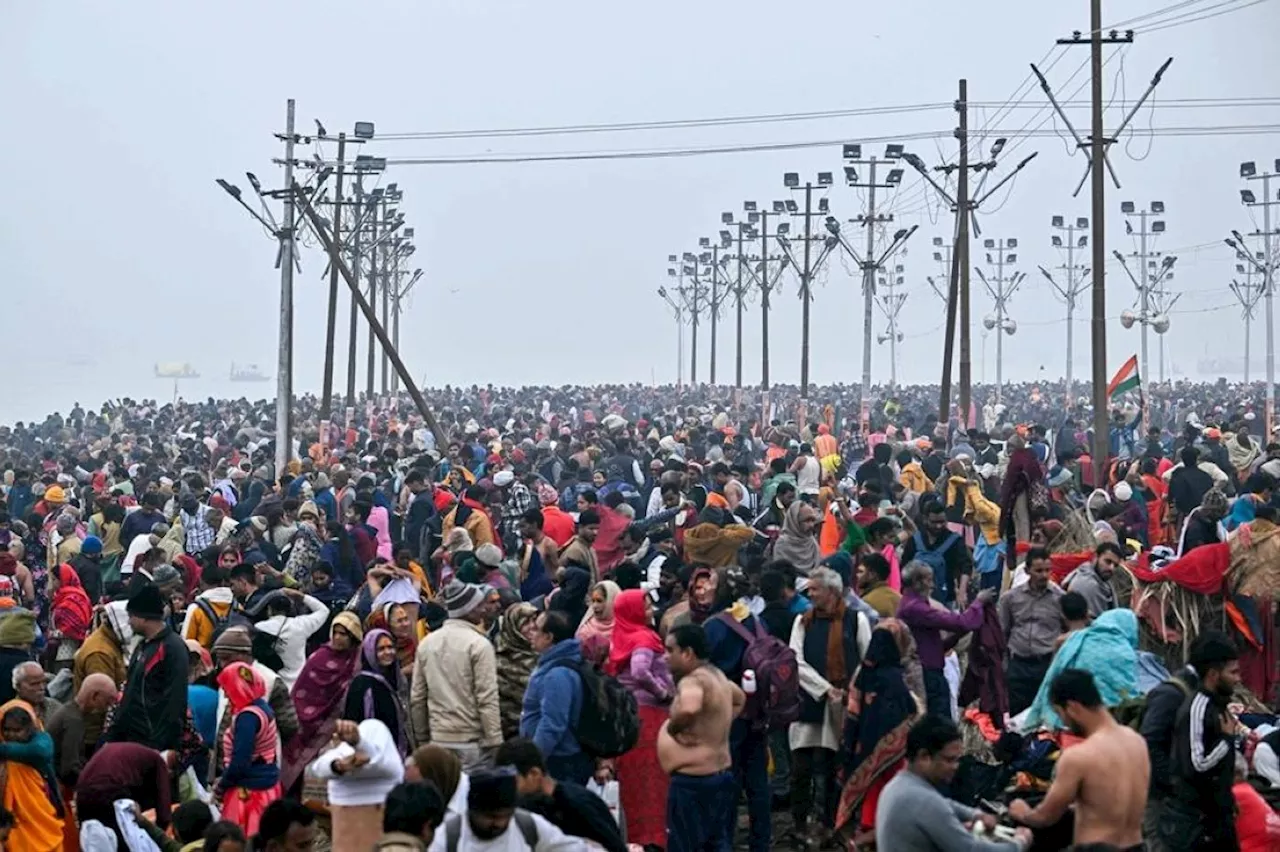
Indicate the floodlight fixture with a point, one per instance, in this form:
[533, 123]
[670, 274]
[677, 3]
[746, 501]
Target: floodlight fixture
[725, 237]
[749, 207]
[998, 146]
[408, 233]
[791, 180]
[1011, 243]
[823, 205]
[688, 257]
[895, 177]
[363, 130]
[1157, 227]
[1247, 196]
[784, 228]
[1058, 222]
[1157, 207]
[824, 178]
[1057, 242]
[937, 241]
[893, 152]
[726, 218]
[792, 207]
[1011, 258]
[901, 233]
[392, 187]
[852, 151]
[1126, 207]
[833, 225]
[1249, 169]
[937, 255]
[753, 217]
[705, 257]
[988, 243]
[704, 242]
[850, 174]
[1082, 222]
[1083, 241]
[779, 207]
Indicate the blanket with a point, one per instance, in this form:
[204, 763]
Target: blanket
[1108, 649]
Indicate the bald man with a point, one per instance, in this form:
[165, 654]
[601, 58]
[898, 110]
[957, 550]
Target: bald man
[67, 726]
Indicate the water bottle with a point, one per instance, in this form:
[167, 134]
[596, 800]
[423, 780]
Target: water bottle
[749, 682]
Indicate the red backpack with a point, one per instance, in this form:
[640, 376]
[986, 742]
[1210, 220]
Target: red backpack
[776, 701]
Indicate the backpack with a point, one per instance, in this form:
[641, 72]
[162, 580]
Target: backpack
[233, 618]
[522, 818]
[937, 560]
[609, 722]
[1136, 709]
[776, 701]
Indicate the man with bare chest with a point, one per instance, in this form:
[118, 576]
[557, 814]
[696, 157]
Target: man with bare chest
[1106, 777]
[693, 746]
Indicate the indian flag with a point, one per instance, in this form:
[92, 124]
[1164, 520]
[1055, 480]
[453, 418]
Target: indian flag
[1125, 379]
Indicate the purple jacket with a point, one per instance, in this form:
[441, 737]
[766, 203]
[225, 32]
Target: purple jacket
[927, 625]
[648, 678]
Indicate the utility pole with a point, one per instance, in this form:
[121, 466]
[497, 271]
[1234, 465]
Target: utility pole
[739, 290]
[765, 274]
[869, 263]
[809, 267]
[966, 206]
[676, 303]
[695, 297]
[379, 210]
[1147, 280]
[891, 305]
[1096, 158]
[284, 379]
[1001, 288]
[402, 292]
[330, 329]
[1248, 294]
[717, 299]
[361, 206]
[1074, 287]
[942, 252]
[1267, 267]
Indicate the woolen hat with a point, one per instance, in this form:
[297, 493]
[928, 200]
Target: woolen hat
[146, 602]
[236, 640]
[492, 789]
[91, 546]
[489, 554]
[461, 598]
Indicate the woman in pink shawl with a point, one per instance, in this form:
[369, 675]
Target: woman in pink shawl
[381, 522]
[596, 630]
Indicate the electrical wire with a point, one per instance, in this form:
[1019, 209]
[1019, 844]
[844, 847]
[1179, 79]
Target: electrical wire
[1226, 7]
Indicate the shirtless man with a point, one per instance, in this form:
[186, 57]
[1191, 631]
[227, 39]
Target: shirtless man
[693, 746]
[1106, 777]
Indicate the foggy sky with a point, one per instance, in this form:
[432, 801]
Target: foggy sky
[120, 251]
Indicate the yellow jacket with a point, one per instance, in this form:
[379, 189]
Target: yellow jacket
[913, 478]
[978, 509]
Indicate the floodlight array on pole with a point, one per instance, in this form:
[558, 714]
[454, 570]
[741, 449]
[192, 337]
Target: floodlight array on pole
[1001, 287]
[1248, 293]
[1154, 268]
[1266, 266]
[1076, 277]
[891, 303]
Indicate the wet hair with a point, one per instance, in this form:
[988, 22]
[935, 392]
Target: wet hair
[931, 735]
[1074, 606]
[691, 637]
[1074, 685]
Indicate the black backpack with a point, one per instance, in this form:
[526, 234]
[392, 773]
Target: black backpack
[609, 723]
[524, 823]
[265, 650]
[233, 618]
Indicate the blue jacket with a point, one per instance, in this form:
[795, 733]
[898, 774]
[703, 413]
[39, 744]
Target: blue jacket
[553, 701]
[726, 646]
[327, 503]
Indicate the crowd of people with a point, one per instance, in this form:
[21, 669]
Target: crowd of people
[628, 618]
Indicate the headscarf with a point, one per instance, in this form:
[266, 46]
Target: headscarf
[571, 597]
[390, 677]
[593, 631]
[631, 631]
[441, 767]
[700, 612]
[516, 661]
[72, 609]
[242, 685]
[794, 545]
[879, 701]
[31, 795]
[318, 695]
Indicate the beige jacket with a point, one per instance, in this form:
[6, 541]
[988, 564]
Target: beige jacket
[454, 698]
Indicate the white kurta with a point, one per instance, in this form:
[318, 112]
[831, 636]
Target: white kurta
[826, 734]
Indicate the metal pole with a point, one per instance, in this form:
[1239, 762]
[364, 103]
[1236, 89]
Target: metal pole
[962, 197]
[1098, 319]
[693, 355]
[679, 347]
[1000, 324]
[1144, 291]
[1071, 305]
[371, 363]
[387, 273]
[893, 350]
[715, 305]
[1268, 272]
[321, 232]
[1248, 321]
[330, 329]
[284, 382]
[868, 303]
[949, 337]
[357, 227]
[766, 286]
[805, 296]
[737, 367]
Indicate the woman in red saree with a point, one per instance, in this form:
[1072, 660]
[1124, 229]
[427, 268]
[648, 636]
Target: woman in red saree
[319, 693]
[881, 710]
[71, 611]
[250, 774]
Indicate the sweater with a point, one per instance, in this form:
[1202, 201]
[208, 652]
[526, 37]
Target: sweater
[912, 816]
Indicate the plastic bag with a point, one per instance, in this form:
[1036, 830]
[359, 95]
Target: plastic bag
[608, 791]
[191, 790]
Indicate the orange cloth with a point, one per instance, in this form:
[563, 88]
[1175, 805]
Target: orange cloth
[988, 729]
[38, 828]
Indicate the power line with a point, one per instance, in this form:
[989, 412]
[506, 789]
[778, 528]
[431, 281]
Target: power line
[1200, 15]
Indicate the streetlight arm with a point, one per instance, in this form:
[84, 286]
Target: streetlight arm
[895, 245]
[1006, 179]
